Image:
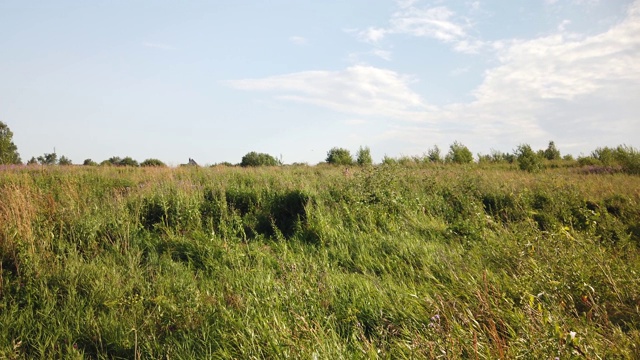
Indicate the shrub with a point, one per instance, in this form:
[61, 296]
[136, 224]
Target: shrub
[89, 162]
[65, 161]
[552, 153]
[459, 154]
[339, 156]
[258, 159]
[434, 155]
[364, 156]
[153, 163]
[8, 150]
[528, 160]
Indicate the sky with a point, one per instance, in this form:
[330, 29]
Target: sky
[214, 80]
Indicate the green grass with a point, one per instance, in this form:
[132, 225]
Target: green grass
[314, 262]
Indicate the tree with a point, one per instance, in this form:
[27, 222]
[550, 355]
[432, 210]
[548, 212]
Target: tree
[32, 161]
[363, 156]
[128, 161]
[434, 154]
[152, 163]
[48, 159]
[552, 153]
[64, 161]
[339, 156]
[528, 160]
[89, 162]
[459, 154]
[8, 150]
[258, 159]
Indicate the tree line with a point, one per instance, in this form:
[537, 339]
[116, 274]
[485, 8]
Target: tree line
[604, 159]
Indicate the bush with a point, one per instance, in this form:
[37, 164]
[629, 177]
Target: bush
[459, 154]
[89, 162]
[64, 161]
[528, 160]
[434, 154]
[258, 159]
[339, 156]
[552, 153]
[153, 163]
[364, 156]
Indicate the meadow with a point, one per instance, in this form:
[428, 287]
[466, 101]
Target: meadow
[397, 262]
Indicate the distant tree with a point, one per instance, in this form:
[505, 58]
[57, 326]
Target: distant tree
[118, 161]
[128, 161]
[552, 153]
[32, 161]
[387, 160]
[48, 159]
[434, 154]
[605, 155]
[484, 159]
[363, 156]
[64, 161]
[152, 163]
[568, 157]
[527, 159]
[459, 154]
[258, 159]
[8, 150]
[89, 162]
[339, 156]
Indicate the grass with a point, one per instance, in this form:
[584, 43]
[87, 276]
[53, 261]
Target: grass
[314, 262]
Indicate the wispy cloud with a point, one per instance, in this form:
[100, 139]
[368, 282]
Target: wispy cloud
[574, 90]
[359, 90]
[436, 22]
[298, 40]
[160, 46]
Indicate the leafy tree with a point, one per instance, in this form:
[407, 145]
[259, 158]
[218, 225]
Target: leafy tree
[128, 161]
[606, 155]
[568, 157]
[32, 161]
[339, 156]
[552, 153]
[459, 154]
[64, 161]
[152, 163]
[8, 150]
[48, 159]
[117, 161]
[387, 160]
[258, 159]
[89, 162]
[434, 154]
[528, 160]
[363, 156]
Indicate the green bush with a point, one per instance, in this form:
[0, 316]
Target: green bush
[527, 159]
[459, 154]
[364, 156]
[152, 163]
[258, 159]
[339, 156]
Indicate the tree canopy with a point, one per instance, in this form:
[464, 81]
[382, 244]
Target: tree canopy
[258, 159]
[339, 156]
[8, 150]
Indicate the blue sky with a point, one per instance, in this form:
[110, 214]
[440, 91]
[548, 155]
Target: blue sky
[214, 80]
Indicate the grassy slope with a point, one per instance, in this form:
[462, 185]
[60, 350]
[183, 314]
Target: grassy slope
[302, 262]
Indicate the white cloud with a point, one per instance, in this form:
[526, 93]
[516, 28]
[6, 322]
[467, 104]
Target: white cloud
[574, 90]
[359, 90]
[372, 35]
[434, 22]
[437, 22]
[160, 46]
[298, 40]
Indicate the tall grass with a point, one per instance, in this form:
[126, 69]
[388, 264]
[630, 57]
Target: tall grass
[314, 262]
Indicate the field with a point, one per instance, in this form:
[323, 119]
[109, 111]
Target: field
[318, 263]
